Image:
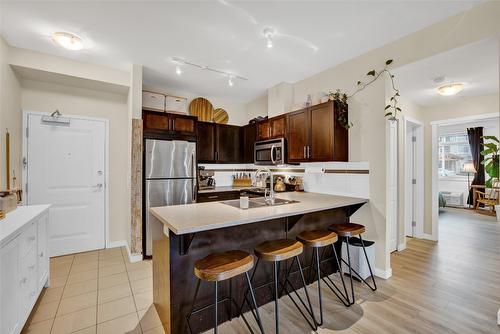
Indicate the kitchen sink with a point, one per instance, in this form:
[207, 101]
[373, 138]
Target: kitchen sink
[258, 202]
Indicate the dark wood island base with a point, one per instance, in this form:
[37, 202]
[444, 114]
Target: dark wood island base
[174, 256]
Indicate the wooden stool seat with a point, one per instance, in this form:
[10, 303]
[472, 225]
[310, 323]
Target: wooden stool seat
[317, 238]
[222, 266]
[278, 250]
[347, 229]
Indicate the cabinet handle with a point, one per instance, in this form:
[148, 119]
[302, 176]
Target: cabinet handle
[305, 152]
[24, 280]
[41, 254]
[173, 123]
[308, 151]
[215, 196]
[269, 130]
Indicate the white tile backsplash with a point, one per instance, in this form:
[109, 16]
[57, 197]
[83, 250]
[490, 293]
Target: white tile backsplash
[315, 180]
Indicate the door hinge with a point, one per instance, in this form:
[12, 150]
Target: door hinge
[27, 132]
[414, 139]
[414, 181]
[413, 223]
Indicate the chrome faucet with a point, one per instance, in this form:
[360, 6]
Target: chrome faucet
[269, 198]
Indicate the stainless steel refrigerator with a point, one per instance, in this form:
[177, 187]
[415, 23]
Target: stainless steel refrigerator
[170, 178]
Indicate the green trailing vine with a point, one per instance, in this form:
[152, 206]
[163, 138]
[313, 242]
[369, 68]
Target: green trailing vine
[391, 110]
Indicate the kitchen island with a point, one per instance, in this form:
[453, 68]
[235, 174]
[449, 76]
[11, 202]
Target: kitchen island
[185, 233]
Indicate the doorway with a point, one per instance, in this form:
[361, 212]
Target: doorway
[64, 164]
[413, 177]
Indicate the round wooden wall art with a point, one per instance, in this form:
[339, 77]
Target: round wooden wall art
[202, 108]
[221, 116]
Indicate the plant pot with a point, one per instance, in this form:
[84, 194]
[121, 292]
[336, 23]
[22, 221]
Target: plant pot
[497, 209]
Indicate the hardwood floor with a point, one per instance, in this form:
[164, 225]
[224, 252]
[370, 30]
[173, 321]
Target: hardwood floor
[452, 286]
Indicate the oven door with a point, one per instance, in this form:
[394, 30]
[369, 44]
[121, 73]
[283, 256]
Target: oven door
[270, 152]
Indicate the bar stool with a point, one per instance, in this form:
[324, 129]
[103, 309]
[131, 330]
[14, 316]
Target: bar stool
[347, 231]
[219, 267]
[319, 239]
[277, 251]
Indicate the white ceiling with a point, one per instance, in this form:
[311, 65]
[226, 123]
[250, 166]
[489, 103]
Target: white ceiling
[475, 65]
[220, 34]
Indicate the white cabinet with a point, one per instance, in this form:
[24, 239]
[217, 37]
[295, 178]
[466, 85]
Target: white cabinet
[10, 322]
[24, 264]
[176, 104]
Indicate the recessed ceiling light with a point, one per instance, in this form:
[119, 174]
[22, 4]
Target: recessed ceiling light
[450, 89]
[230, 81]
[178, 70]
[68, 40]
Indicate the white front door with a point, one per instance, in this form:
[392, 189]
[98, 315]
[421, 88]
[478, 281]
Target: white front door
[66, 168]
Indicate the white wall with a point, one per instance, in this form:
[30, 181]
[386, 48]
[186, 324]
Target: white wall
[257, 107]
[10, 110]
[236, 110]
[46, 97]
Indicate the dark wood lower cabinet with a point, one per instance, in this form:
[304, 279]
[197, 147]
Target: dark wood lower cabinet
[216, 196]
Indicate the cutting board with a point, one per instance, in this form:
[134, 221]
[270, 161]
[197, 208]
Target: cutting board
[202, 108]
[221, 116]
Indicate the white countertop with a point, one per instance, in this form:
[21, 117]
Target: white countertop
[196, 217]
[16, 219]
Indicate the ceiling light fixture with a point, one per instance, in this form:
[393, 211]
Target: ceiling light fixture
[269, 33]
[450, 89]
[68, 40]
[182, 62]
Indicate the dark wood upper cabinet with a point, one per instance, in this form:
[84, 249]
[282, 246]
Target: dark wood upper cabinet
[263, 130]
[183, 124]
[205, 145]
[228, 138]
[161, 125]
[249, 133]
[314, 134]
[278, 126]
[298, 135]
[272, 128]
[219, 143]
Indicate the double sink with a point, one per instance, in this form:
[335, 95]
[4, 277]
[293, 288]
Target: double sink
[258, 202]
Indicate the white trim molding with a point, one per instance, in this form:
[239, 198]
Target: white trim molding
[427, 236]
[401, 246]
[385, 274]
[133, 257]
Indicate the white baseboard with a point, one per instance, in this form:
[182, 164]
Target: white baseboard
[385, 274]
[401, 246]
[123, 243]
[427, 237]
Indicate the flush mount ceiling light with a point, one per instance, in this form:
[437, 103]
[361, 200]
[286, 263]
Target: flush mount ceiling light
[269, 33]
[450, 89]
[179, 62]
[68, 40]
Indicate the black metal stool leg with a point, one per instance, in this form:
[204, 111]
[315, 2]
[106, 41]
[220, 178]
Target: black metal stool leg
[192, 304]
[259, 321]
[374, 288]
[216, 315]
[316, 251]
[350, 270]
[339, 265]
[276, 293]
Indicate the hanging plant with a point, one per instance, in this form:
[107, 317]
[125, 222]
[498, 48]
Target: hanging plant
[391, 110]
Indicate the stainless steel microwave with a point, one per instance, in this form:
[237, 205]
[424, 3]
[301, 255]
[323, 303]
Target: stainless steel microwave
[270, 152]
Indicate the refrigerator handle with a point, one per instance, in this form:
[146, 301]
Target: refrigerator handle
[195, 177]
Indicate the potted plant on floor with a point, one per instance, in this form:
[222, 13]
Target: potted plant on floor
[491, 163]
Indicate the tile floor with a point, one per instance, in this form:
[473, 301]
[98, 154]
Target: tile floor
[96, 292]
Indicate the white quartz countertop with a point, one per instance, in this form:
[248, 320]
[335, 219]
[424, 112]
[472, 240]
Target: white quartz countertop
[16, 219]
[197, 217]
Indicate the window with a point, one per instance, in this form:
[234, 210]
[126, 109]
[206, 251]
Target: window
[454, 152]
